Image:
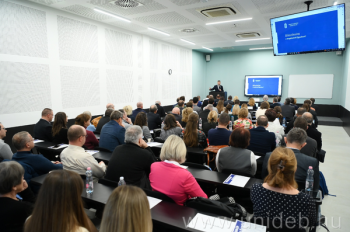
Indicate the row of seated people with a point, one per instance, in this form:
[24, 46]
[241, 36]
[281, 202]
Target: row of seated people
[285, 167]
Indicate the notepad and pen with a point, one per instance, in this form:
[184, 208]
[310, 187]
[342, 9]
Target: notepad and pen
[58, 146]
[237, 180]
[92, 152]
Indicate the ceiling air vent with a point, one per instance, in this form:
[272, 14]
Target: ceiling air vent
[126, 3]
[248, 35]
[189, 30]
[218, 11]
[226, 48]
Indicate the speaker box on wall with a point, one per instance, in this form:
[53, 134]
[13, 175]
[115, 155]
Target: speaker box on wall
[207, 57]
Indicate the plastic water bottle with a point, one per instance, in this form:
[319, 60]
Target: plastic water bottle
[200, 123]
[121, 181]
[89, 182]
[309, 185]
[230, 126]
[284, 122]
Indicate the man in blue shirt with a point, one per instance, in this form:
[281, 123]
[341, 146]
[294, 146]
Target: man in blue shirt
[138, 110]
[113, 132]
[220, 135]
[40, 165]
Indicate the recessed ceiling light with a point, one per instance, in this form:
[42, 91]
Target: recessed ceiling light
[152, 29]
[208, 48]
[112, 15]
[187, 41]
[260, 48]
[244, 40]
[189, 30]
[236, 20]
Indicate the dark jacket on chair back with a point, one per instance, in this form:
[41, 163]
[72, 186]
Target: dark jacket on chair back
[288, 112]
[261, 140]
[102, 122]
[43, 130]
[154, 121]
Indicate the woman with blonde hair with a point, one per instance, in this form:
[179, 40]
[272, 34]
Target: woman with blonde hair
[279, 194]
[252, 103]
[212, 122]
[235, 110]
[127, 210]
[235, 98]
[242, 120]
[59, 206]
[245, 106]
[128, 111]
[220, 107]
[192, 136]
[185, 114]
[169, 178]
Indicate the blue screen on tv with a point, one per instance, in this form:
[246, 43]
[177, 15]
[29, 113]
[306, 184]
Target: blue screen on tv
[263, 85]
[320, 30]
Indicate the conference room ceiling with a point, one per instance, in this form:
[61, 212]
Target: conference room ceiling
[172, 16]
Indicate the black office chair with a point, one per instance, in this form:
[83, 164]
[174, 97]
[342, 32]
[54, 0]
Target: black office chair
[156, 132]
[233, 171]
[102, 149]
[197, 166]
[97, 132]
[83, 176]
[159, 140]
[158, 195]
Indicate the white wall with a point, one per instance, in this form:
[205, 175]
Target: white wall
[50, 58]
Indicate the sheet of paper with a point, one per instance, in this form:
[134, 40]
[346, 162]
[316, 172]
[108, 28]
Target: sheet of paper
[250, 107]
[38, 141]
[185, 167]
[151, 131]
[91, 152]
[59, 147]
[211, 224]
[248, 227]
[155, 144]
[237, 180]
[153, 201]
[257, 157]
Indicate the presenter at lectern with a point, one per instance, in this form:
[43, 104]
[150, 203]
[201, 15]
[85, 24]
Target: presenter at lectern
[218, 87]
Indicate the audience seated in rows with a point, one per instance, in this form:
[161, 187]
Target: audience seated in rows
[5, 150]
[113, 133]
[139, 109]
[190, 105]
[211, 123]
[176, 113]
[91, 141]
[95, 121]
[185, 115]
[205, 102]
[236, 109]
[59, 128]
[131, 160]
[212, 102]
[204, 114]
[313, 106]
[261, 111]
[220, 106]
[312, 132]
[229, 101]
[43, 128]
[293, 102]
[288, 111]
[279, 194]
[266, 99]
[276, 128]
[141, 121]
[74, 158]
[192, 136]
[228, 109]
[296, 140]
[169, 177]
[279, 116]
[220, 135]
[127, 209]
[243, 120]
[275, 103]
[160, 109]
[125, 120]
[105, 119]
[261, 140]
[171, 127]
[153, 118]
[251, 103]
[217, 99]
[196, 106]
[39, 165]
[290, 125]
[90, 127]
[128, 111]
[199, 101]
[314, 114]
[13, 212]
[236, 158]
[59, 206]
[181, 106]
[245, 106]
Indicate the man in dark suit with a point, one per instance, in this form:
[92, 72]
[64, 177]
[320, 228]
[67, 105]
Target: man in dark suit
[229, 101]
[290, 125]
[160, 109]
[261, 140]
[43, 128]
[104, 120]
[217, 99]
[206, 101]
[136, 111]
[288, 111]
[153, 118]
[314, 114]
[218, 87]
[275, 103]
[176, 113]
[312, 132]
[132, 160]
[204, 114]
[296, 140]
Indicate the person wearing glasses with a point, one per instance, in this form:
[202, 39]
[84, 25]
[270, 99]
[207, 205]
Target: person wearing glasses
[5, 150]
[74, 157]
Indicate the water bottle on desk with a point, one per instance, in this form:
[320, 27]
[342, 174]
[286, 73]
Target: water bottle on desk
[309, 185]
[230, 126]
[284, 122]
[121, 181]
[200, 123]
[89, 182]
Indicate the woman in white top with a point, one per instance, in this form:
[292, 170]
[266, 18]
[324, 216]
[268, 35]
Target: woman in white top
[261, 111]
[274, 127]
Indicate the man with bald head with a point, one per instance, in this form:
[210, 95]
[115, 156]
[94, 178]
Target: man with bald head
[176, 113]
[24, 143]
[74, 157]
[153, 118]
[43, 128]
[110, 106]
[311, 131]
[136, 111]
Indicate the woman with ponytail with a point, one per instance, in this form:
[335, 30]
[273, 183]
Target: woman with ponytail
[277, 202]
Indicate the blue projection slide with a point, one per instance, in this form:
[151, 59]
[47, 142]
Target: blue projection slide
[262, 86]
[313, 32]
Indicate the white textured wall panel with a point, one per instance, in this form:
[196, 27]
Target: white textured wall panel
[120, 86]
[119, 47]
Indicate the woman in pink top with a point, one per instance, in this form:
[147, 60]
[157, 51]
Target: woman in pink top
[169, 177]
